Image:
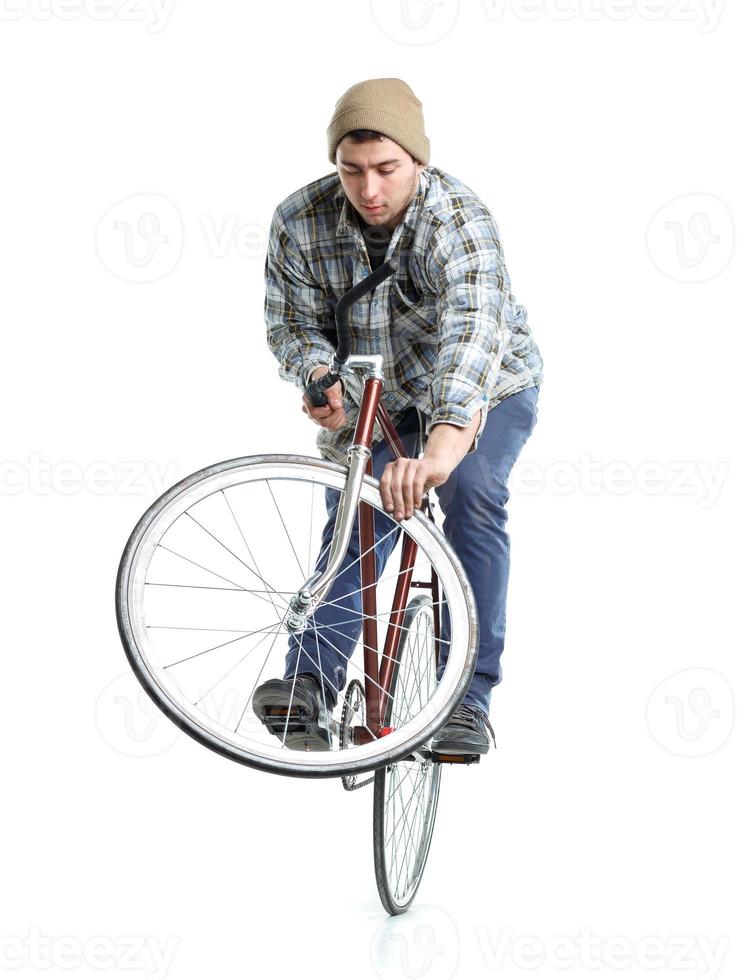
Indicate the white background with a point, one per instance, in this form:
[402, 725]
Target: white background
[603, 835]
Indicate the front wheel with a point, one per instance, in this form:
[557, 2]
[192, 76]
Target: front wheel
[202, 600]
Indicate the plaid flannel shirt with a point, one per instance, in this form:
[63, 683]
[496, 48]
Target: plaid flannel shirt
[452, 336]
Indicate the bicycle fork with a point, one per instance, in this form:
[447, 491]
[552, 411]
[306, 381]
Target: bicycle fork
[316, 587]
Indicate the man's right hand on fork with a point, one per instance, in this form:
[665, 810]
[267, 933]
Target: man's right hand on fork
[329, 416]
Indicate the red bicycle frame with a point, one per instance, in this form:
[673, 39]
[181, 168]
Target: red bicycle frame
[378, 678]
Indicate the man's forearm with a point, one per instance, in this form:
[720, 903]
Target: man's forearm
[452, 440]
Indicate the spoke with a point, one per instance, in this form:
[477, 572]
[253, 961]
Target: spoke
[221, 588]
[321, 674]
[235, 666]
[410, 769]
[241, 588]
[311, 524]
[356, 709]
[288, 536]
[309, 656]
[249, 697]
[345, 568]
[391, 697]
[379, 617]
[291, 695]
[420, 676]
[349, 663]
[249, 549]
[255, 684]
[199, 565]
[414, 841]
[293, 688]
[218, 646]
[403, 816]
[406, 835]
[418, 786]
[229, 550]
[357, 560]
[423, 671]
[319, 631]
[378, 581]
[207, 629]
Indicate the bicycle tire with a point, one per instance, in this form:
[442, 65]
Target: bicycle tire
[227, 473]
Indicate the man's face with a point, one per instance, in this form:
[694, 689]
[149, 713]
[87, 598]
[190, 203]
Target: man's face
[379, 178]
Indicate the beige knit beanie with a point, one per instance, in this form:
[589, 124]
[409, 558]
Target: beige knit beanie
[387, 105]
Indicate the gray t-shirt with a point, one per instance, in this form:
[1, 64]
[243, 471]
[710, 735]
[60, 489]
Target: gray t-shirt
[377, 240]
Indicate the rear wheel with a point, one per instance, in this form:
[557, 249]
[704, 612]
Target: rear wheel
[406, 792]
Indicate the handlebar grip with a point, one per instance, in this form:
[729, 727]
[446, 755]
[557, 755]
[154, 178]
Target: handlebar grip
[315, 390]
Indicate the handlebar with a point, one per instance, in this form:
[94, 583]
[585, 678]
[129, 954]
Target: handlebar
[315, 390]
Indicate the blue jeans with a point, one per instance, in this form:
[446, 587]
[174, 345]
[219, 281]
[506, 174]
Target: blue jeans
[473, 501]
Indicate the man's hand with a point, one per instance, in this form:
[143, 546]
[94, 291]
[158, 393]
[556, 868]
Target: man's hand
[331, 415]
[405, 482]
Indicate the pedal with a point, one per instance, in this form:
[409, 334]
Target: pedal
[466, 759]
[278, 718]
[298, 724]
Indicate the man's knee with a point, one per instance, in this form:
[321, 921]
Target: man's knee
[474, 485]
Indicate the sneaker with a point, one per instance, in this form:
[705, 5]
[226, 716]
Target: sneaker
[464, 733]
[270, 703]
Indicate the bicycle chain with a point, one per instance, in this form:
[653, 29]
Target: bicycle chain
[351, 783]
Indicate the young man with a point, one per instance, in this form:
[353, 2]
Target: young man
[458, 358]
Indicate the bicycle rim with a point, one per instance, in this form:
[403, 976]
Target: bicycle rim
[213, 506]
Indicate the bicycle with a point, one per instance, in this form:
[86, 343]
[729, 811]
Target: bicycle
[173, 611]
